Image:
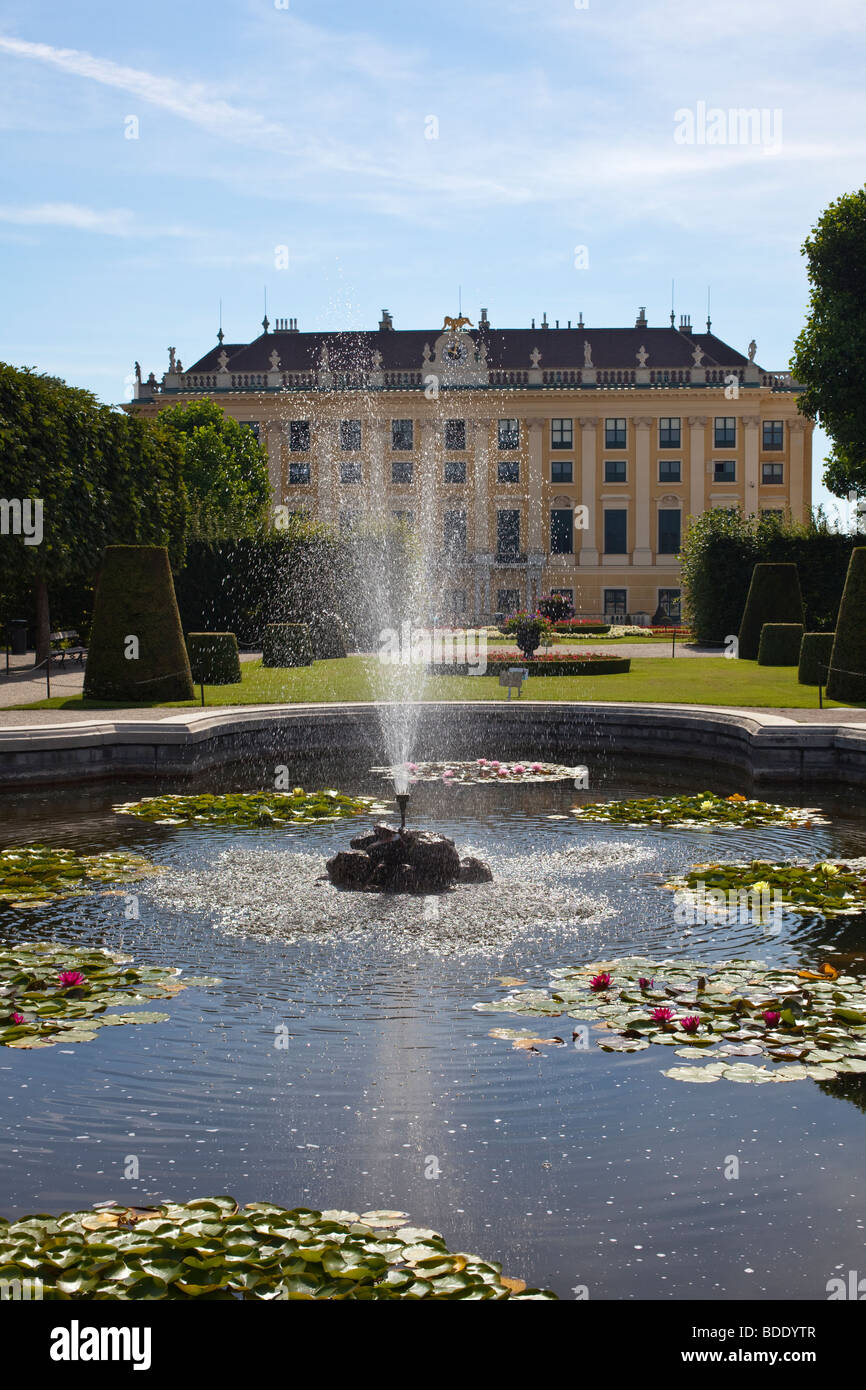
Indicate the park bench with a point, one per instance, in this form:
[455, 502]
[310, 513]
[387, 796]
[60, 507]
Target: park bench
[67, 644]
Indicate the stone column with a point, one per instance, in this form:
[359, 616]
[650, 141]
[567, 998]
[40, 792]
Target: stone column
[589, 491]
[375, 490]
[429, 524]
[325, 451]
[481, 460]
[276, 473]
[750, 425]
[797, 481]
[643, 552]
[535, 542]
[697, 463]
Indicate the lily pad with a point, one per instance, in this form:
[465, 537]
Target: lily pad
[693, 812]
[34, 875]
[297, 807]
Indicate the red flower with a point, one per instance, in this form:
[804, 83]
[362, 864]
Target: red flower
[71, 979]
[690, 1024]
[600, 982]
[662, 1015]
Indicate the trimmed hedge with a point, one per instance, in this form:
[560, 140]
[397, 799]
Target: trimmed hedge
[213, 658]
[774, 597]
[578, 629]
[847, 679]
[287, 644]
[135, 599]
[815, 652]
[780, 644]
[329, 636]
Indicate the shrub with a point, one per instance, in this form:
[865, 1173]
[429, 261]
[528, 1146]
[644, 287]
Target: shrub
[847, 678]
[287, 644]
[329, 636]
[578, 626]
[213, 658]
[815, 650]
[135, 599]
[780, 644]
[774, 597]
[528, 634]
[555, 607]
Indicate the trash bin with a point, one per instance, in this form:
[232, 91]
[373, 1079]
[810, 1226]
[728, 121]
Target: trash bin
[18, 636]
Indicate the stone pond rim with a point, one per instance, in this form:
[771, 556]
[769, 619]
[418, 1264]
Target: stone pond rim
[761, 745]
[390, 860]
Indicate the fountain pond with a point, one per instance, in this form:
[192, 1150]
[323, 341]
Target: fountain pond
[332, 1056]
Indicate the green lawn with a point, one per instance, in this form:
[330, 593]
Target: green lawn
[661, 680]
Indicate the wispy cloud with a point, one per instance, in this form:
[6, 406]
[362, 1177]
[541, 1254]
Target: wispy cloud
[74, 216]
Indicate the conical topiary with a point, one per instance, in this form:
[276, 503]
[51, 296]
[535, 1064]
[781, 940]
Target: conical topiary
[847, 678]
[137, 651]
[774, 597]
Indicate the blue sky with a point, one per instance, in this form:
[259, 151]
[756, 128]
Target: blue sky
[270, 123]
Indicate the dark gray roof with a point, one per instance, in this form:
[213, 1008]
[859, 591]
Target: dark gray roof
[508, 348]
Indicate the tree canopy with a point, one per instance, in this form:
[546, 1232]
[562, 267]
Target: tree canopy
[830, 353]
[225, 471]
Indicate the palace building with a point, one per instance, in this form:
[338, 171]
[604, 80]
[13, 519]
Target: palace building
[536, 459]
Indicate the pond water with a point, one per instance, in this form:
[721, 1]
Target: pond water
[340, 1062]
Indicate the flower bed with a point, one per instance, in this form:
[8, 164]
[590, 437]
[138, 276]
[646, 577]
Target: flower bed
[33, 875]
[210, 1249]
[552, 664]
[296, 807]
[831, 889]
[50, 993]
[704, 809]
[806, 1024]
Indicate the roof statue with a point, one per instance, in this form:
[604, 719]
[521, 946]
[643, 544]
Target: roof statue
[753, 348]
[456, 325]
[587, 353]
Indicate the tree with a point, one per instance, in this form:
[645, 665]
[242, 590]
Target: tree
[831, 349]
[847, 679]
[225, 471]
[92, 475]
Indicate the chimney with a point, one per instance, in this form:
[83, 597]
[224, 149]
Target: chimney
[386, 324]
[544, 322]
[685, 323]
[484, 322]
[640, 321]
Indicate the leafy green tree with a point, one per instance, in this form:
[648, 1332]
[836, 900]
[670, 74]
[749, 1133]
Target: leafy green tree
[830, 352]
[225, 471]
[101, 477]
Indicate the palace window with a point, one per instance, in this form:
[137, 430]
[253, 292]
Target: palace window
[251, 425]
[402, 435]
[299, 436]
[454, 533]
[406, 519]
[670, 530]
[774, 434]
[725, 432]
[725, 471]
[508, 471]
[509, 434]
[350, 435]
[670, 471]
[670, 432]
[507, 600]
[350, 472]
[298, 473]
[455, 470]
[562, 434]
[455, 601]
[561, 471]
[615, 471]
[615, 433]
[615, 601]
[508, 533]
[670, 602]
[401, 471]
[615, 531]
[455, 434]
[772, 474]
[561, 531]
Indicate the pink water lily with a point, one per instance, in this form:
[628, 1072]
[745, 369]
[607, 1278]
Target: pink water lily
[494, 764]
[482, 762]
[663, 1015]
[600, 982]
[70, 979]
[690, 1024]
[771, 1018]
[502, 772]
[17, 1018]
[645, 983]
[536, 767]
[518, 767]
